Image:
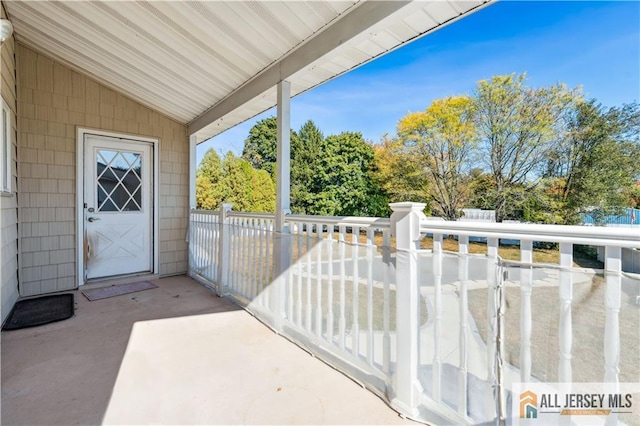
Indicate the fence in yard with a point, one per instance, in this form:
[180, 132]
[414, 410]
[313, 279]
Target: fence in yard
[442, 336]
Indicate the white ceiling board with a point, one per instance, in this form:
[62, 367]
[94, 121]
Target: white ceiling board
[216, 63]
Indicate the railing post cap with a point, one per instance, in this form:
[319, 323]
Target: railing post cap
[227, 206]
[407, 206]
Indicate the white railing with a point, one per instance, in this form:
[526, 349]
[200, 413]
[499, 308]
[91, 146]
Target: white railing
[440, 335]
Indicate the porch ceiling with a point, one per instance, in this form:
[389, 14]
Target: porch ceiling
[212, 65]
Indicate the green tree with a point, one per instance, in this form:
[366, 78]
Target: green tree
[233, 180]
[306, 158]
[263, 192]
[517, 126]
[261, 146]
[210, 166]
[208, 175]
[343, 183]
[443, 138]
[596, 162]
[235, 185]
[205, 198]
[482, 189]
[398, 173]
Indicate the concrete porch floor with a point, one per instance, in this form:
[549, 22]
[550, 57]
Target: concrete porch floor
[177, 354]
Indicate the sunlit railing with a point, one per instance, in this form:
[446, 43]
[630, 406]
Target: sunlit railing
[441, 335]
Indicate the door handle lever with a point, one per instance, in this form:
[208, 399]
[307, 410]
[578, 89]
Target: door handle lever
[93, 219]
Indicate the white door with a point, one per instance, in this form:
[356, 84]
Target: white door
[118, 206]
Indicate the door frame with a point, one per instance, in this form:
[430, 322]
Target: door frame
[80, 151]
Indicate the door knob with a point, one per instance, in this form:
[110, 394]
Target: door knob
[93, 219]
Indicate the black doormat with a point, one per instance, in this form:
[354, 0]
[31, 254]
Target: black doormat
[39, 311]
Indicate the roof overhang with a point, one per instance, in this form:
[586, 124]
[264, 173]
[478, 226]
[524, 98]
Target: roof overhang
[212, 65]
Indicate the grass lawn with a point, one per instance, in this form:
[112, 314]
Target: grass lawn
[581, 258]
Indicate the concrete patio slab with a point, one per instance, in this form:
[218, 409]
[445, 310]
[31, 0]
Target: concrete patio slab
[173, 355]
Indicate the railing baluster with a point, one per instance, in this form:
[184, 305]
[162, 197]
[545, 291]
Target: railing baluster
[330, 333]
[232, 254]
[342, 322]
[236, 253]
[260, 258]
[463, 276]
[289, 283]
[268, 248]
[244, 269]
[194, 244]
[437, 326]
[566, 297]
[254, 258]
[613, 280]
[309, 246]
[202, 241]
[239, 242]
[299, 281]
[224, 250]
[319, 280]
[245, 258]
[612, 300]
[370, 248]
[239, 256]
[386, 259]
[251, 259]
[355, 327]
[492, 254]
[260, 261]
[213, 229]
[437, 243]
[526, 288]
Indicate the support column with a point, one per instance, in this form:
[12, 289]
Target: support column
[283, 168]
[193, 143]
[191, 228]
[405, 226]
[281, 240]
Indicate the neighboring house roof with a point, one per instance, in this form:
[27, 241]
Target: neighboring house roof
[212, 64]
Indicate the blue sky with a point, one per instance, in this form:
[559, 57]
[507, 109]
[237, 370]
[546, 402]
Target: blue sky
[595, 45]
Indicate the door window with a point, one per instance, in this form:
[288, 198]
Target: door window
[119, 181]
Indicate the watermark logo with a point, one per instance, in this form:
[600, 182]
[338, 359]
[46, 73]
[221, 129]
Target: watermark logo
[528, 405]
[583, 403]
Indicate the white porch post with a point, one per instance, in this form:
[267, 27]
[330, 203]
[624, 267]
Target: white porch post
[193, 143]
[405, 226]
[282, 244]
[283, 167]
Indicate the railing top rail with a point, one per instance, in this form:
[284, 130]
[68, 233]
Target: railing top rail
[375, 222]
[209, 212]
[251, 215]
[587, 235]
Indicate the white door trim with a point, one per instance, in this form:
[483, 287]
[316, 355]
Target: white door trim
[81, 132]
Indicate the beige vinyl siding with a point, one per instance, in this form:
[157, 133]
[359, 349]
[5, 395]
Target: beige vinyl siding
[54, 101]
[8, 202]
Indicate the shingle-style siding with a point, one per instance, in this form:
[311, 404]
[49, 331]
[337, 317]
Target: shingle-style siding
[54, 101]
[8, 202]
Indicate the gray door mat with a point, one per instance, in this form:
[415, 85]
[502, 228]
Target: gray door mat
[39, 311]
[117, 290]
